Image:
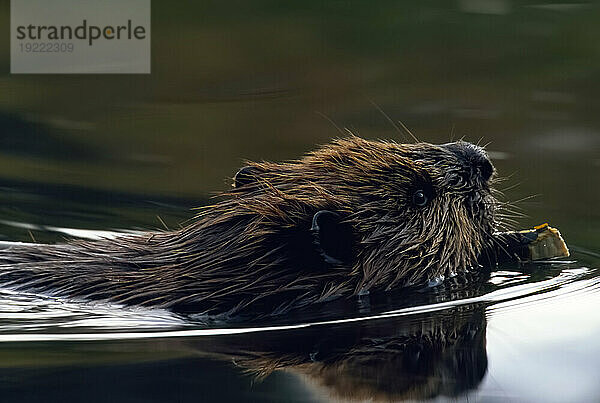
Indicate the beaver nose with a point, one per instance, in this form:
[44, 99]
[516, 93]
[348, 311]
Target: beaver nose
[474, 157]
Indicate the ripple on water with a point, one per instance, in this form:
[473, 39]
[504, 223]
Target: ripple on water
[34, 317]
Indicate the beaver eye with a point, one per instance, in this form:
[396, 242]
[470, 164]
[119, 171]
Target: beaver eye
[419, 198]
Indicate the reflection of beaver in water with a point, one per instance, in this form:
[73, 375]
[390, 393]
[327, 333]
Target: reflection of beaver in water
[352, 217]
[422, 356]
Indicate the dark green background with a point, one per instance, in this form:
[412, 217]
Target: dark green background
[253, 79]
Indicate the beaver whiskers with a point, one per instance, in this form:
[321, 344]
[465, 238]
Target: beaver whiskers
[351, 217]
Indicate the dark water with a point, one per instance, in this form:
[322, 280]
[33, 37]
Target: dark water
[88, 155]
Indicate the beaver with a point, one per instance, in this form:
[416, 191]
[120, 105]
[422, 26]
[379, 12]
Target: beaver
[353, 217]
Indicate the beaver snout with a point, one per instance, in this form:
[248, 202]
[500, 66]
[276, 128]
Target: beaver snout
[474, 158]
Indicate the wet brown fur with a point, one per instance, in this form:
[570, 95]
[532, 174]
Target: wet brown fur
[254, 249]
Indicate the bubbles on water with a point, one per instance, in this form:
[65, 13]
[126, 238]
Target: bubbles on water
[434, 282]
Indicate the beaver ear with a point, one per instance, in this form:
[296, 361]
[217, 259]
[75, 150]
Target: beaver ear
[333, 237]
[245, 176]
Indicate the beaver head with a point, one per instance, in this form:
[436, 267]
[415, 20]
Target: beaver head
[379, 214]
[352, 217]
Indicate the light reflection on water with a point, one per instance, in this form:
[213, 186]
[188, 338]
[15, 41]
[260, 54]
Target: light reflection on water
[551, 342]
[33, 313]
